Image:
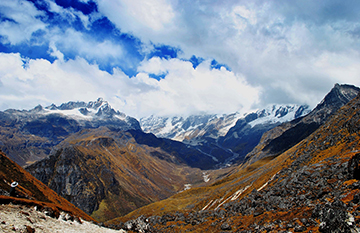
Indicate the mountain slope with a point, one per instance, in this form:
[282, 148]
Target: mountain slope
[34, 192]
[128, 175]
[283, 137]
[312, 186]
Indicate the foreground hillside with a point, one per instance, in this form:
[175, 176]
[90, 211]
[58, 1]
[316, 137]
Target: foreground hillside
[31, 189]
[37, 208]
[313, 186]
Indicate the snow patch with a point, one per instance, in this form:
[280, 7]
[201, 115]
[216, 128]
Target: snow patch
[186, 187]
[238, 193]
[221, 201]
[73, 113]
[264, 185]
[206, 177]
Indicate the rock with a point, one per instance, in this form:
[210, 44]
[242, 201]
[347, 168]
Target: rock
[356, 198]
[334, 218]
[354, 167]
[140, 225]
[29, 229]
[225, 226]
[299, 228]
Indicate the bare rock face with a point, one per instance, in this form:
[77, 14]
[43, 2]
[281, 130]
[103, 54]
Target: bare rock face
[64, 173]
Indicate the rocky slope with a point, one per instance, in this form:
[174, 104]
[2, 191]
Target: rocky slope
[286, 135]
[314, 186]
[107, 173]
[28, 136]
[20, 218]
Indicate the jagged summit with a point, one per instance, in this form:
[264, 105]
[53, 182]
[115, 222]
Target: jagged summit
[276, 113]
[339, 95]
[98, 108]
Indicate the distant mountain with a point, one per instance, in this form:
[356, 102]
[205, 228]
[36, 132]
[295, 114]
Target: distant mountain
[28, 136]
[186, 129]
[224, 137]
[286, 135]
[248, 130]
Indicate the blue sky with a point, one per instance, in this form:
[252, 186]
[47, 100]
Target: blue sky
[176, 57]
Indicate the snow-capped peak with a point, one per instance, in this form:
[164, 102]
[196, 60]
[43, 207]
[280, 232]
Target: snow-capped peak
[276, 114]
[214, 126]
[98, 108]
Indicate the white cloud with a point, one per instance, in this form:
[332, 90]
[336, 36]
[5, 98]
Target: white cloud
[42, 82]
[273, 44]
[278, 51]
[22, 21]
[147, 17]
[242, 17]
[69, 14]
[74, 42]
[185, 90]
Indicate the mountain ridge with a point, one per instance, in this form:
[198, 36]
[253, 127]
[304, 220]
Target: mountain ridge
[226, 138]
[186, 128]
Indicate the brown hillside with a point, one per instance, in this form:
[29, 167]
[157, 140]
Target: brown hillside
[109, 175]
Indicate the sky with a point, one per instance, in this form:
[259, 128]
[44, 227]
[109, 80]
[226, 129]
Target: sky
[176, 57]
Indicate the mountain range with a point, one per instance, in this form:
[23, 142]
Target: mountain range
[193, 128]
[226, 138]
[311, 187]
[233, 172]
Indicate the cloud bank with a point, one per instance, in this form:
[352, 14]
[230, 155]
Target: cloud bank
[176, 57]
